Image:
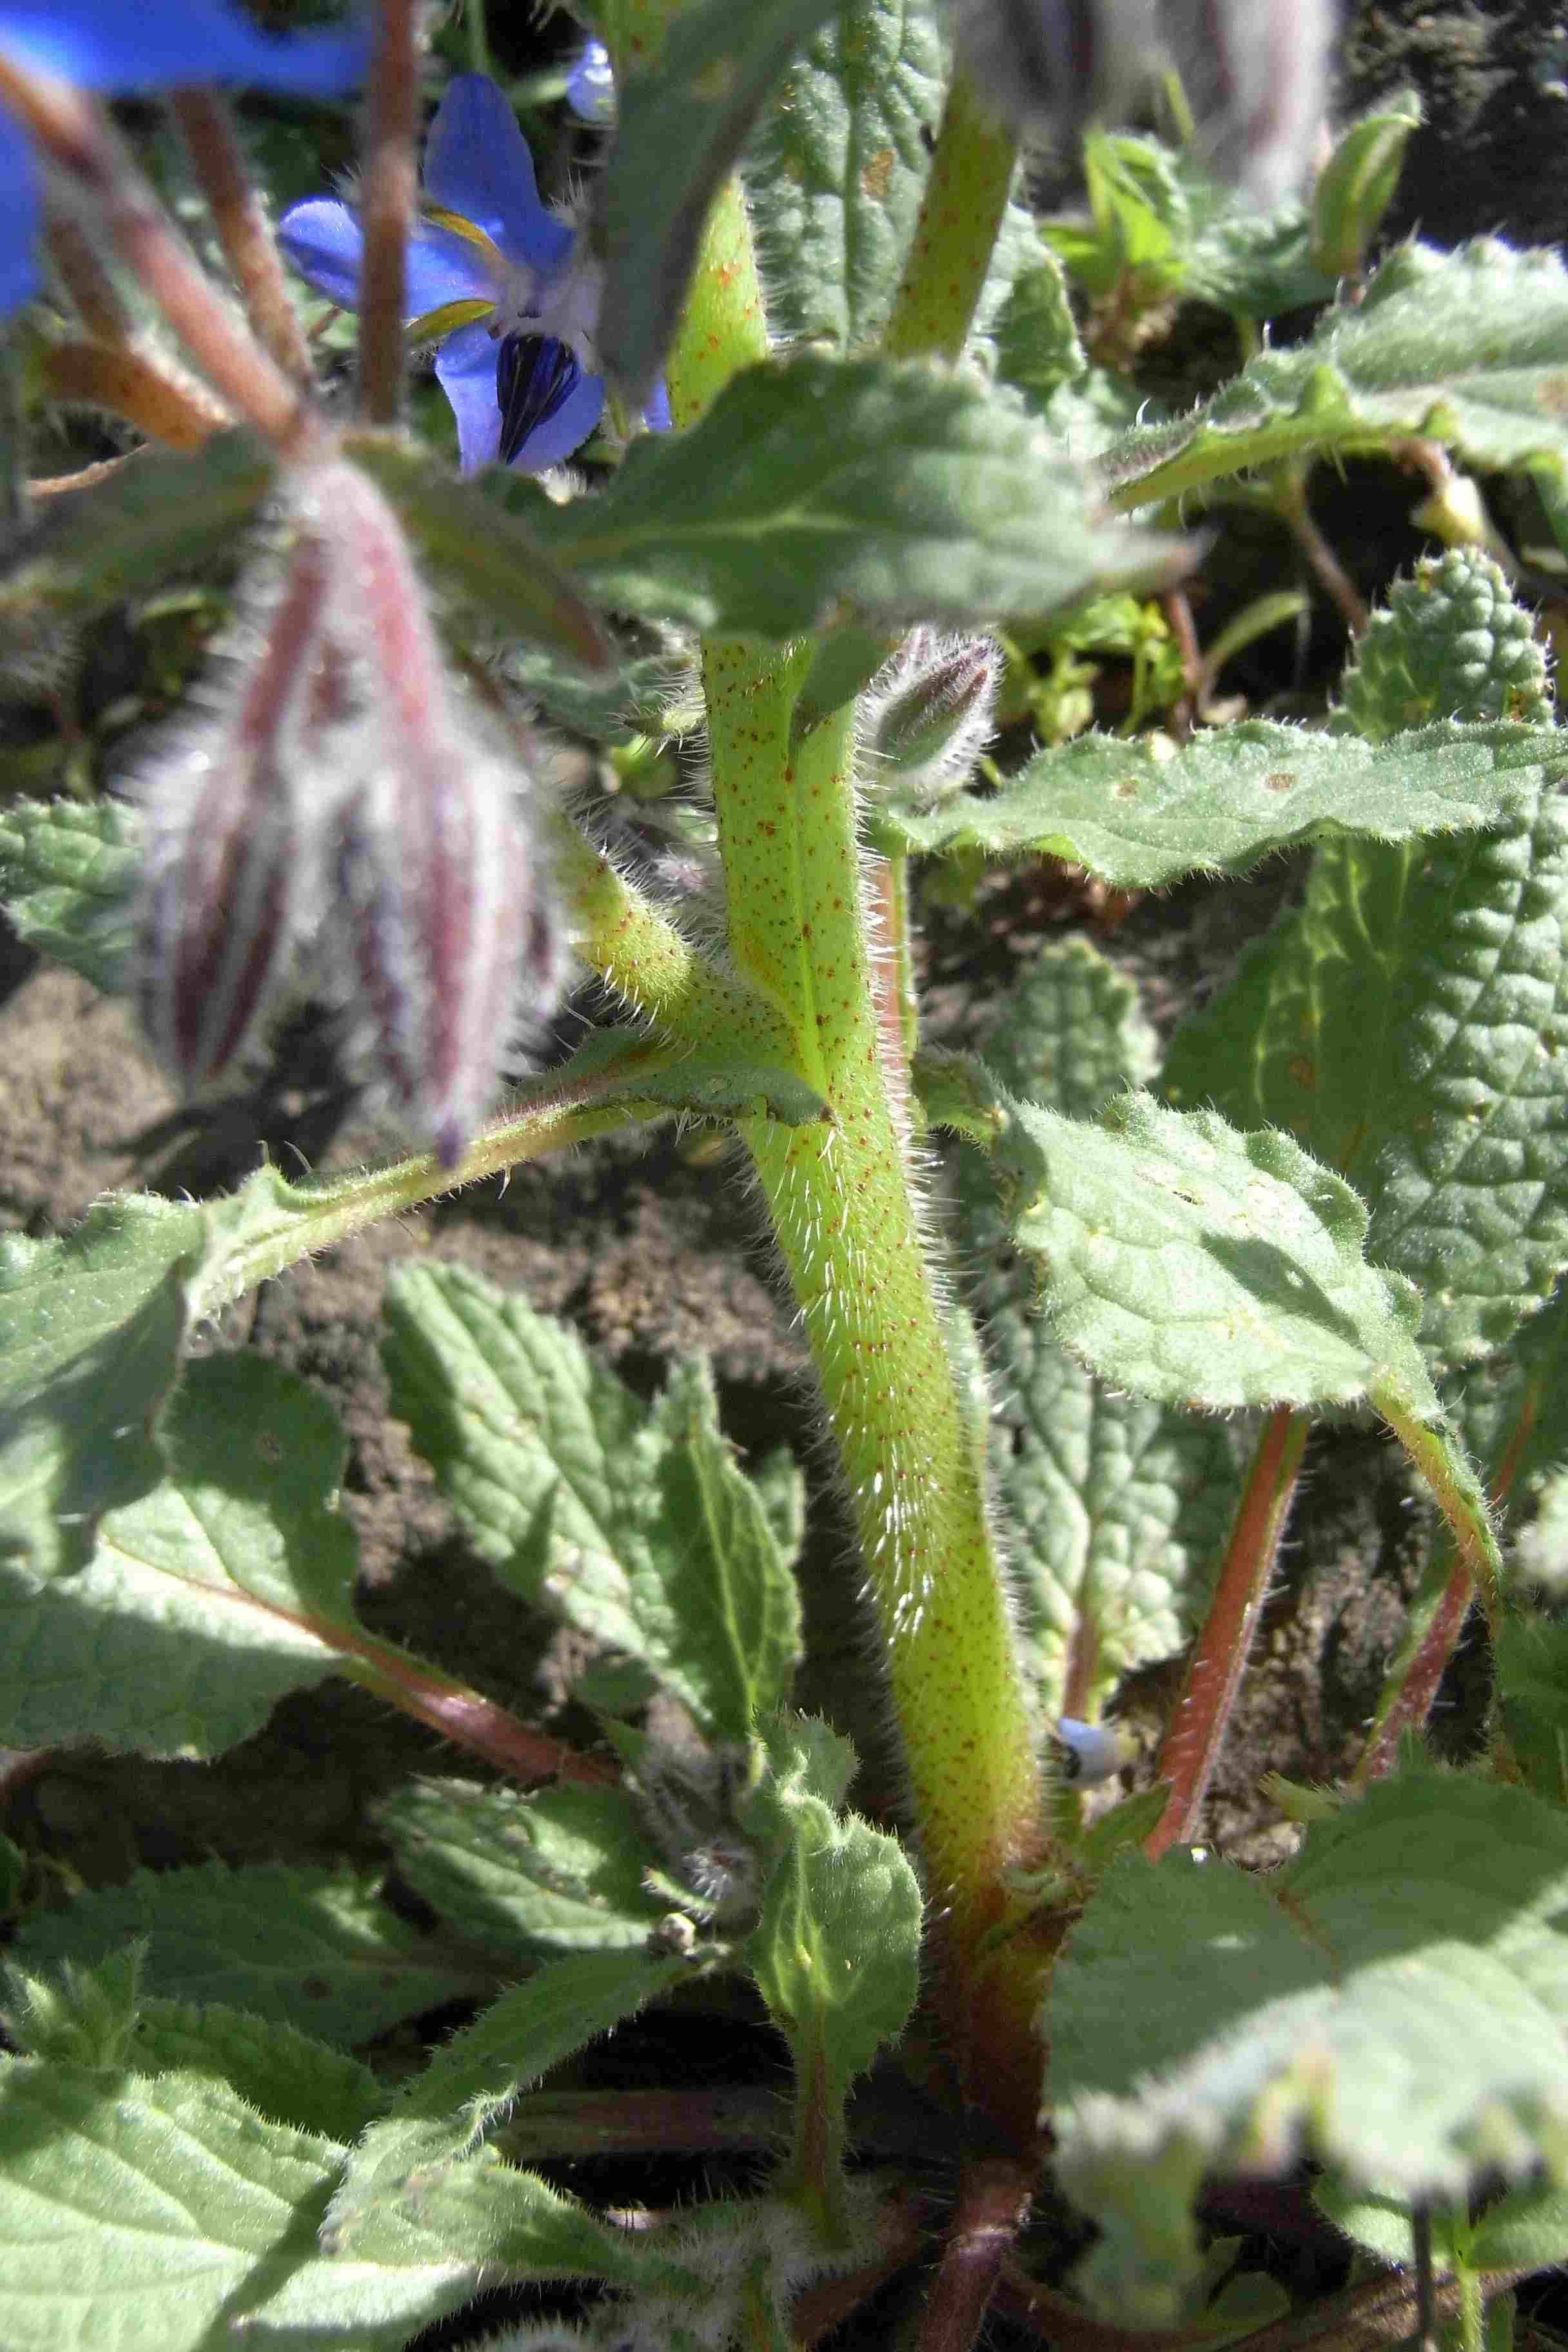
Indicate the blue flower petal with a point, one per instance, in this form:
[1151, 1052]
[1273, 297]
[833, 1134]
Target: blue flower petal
[476, 163]
[18, 219]
[466, 369]
[591, 86]
[133, 45]
[323, 240]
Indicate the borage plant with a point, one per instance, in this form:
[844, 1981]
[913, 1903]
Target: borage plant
[1066, 1409]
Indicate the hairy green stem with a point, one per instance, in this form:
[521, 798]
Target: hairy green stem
[965, 197]
[843, 1197]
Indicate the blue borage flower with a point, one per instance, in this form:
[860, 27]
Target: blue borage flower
[132, 47]
[505, 286]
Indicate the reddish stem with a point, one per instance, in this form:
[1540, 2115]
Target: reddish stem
[463, 1715]
[1198, 1722]
[391, 184]
[992, 2206]
[244, 230]
[75, 134]
[1413, 1700]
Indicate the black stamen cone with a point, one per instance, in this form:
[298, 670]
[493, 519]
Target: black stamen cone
[535, 374]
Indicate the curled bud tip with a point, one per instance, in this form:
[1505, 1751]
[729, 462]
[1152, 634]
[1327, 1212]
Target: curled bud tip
[927, 714]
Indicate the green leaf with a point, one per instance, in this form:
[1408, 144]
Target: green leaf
[1407, 1025]
[1392, 2004]
[1217, 805]
[1035, 335]
[1186, 1261]
[92, 1329]
[283, 2073]
[91, 1333]
[1531, 1666]
[1468, 349]
[315, 1948]
[714, 1595]
[715, 69]
[153, 516]
[420, 2184]
[492, 560]
[207, 1598]
[1449, 643]
[1356, 186]
[65, 869]
[815, 490]
[1116, 1509]
[838, 168]
[835, 1955]
[167, 2216]
[561, 1870]
[637, 1528]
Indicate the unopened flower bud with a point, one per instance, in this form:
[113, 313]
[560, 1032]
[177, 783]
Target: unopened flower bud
[927, 714]
[448, 936]
[1256, 73]
[229, 861]
[1049, 66]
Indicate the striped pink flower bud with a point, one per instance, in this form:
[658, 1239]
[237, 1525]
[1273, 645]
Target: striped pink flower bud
[1256, 73]
[1050, 66]
[443, 938]
[229, 861]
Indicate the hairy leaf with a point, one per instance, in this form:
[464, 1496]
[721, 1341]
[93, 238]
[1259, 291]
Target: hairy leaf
[1187, 1262]
[207, 1598]
[637, 1528]
[838, 168]
[711, 76]
[419, 2185]
[315, 1948]
[816, 490]
[164, 2215]
[1138, 819]
[562, 1869]
[1392, 2004]
[1404, 1024]
[156, 513]
[66, 868]
[1116, 1507]
[1468, 349]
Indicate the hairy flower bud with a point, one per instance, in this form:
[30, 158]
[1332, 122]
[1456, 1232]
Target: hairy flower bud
[1048, 66]
[927, 714]
[1256, 73]
[447, 938]
[229, 862]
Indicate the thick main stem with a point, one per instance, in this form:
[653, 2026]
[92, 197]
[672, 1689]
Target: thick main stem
[843, 1200]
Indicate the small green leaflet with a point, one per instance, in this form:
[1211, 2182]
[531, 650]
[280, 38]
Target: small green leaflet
[835, 1952]
[1140, 819]
[1470, 349]
[636, 1526]
[65, 869]
[1184, 1261]
[1393, 2004]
